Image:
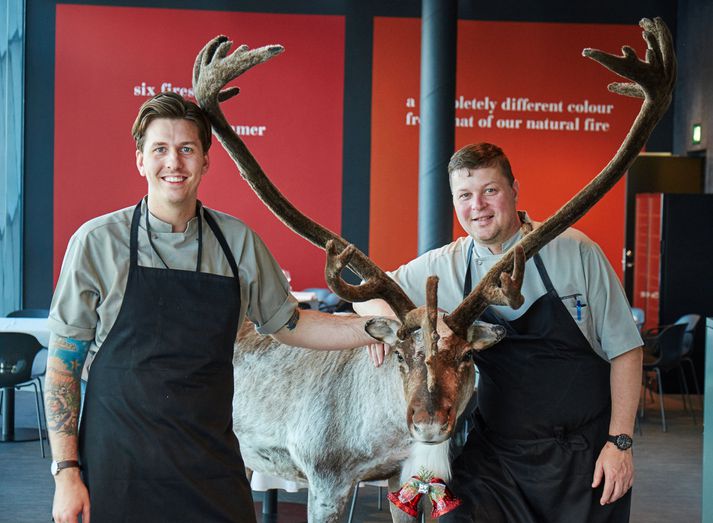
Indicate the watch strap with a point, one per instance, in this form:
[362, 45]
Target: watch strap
[66, 464]
[622, 441]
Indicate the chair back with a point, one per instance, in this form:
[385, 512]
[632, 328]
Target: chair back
[690, 321]
[670, 345]
[639, 317]
[17, 355]
[29, 313]
[328, 301]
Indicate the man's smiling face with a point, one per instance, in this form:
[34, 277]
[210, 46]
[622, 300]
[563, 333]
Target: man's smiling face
[485, 204]
[173, 163]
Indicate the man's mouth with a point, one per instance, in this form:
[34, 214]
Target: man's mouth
[483, 219]
[173, 179]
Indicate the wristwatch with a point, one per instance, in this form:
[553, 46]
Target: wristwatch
[622, 441]
[58, 466]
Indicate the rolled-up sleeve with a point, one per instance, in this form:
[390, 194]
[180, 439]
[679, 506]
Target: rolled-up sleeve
[270, 303]
[73, 312]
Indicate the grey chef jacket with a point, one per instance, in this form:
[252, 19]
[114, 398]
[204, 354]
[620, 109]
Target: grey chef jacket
[578, 270]
[95, 269]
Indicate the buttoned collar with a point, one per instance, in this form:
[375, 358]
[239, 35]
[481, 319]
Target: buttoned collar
[160, 226]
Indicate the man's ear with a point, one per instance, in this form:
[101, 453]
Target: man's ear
[206, 164]
[516, 188]
[140, 162]
[383, 329]
[482, 335]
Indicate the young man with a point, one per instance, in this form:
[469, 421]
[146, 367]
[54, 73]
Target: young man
[557, 397]
[155, 294]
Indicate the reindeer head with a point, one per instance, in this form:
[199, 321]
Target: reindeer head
[434, 349]
[437, 371]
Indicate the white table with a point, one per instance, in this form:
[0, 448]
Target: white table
[36, 327]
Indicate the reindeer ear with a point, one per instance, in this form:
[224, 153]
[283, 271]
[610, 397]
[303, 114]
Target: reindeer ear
[383, 329]
[482, 335]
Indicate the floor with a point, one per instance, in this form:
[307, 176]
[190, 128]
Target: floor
[667, 487]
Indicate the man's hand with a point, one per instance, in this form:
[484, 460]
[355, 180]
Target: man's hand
[378, 352]
[71, 497]
[617, 468]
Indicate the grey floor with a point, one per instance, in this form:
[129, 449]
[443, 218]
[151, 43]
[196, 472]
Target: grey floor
[667, 487]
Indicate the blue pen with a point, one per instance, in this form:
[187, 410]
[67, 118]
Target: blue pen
[579, 310]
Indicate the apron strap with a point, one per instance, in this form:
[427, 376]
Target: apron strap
[543, 273]
[134, 237]
[223, 244]
[468, 283]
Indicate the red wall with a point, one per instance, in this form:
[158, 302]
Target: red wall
[538, 61]
[105, 55]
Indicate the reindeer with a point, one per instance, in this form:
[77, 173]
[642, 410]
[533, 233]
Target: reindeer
[331, 418]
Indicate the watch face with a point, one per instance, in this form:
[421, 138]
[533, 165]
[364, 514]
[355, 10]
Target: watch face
[623, 441]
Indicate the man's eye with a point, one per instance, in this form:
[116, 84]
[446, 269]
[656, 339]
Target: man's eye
[464, 196]
[160, 150]
[187, 149]
[490, 190]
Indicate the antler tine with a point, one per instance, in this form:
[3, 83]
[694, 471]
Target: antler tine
[429, 326]
[653, 80]
[212, 71]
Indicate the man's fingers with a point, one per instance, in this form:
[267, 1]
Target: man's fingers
[376, 352]
[607, 492]
[598, 473]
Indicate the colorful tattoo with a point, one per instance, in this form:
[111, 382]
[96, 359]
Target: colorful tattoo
[62, 395]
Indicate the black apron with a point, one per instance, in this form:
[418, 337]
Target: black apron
[543, 416]
[156, 439]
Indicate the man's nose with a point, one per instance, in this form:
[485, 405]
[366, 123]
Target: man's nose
[478, 202]
[173, 160]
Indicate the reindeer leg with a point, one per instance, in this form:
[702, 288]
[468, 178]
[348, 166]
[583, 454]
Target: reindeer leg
[398, 515]
[327, 500]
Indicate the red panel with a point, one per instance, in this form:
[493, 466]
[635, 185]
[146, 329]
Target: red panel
[498, 61]
[647, 273]
[107, 57]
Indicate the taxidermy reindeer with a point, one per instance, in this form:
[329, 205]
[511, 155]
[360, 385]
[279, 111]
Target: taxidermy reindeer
[331, 418]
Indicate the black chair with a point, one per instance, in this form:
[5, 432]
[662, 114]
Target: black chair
[663, 353]
[39, 366]
[18, 352]
[690, 321]
[328, 301]
[29, 313]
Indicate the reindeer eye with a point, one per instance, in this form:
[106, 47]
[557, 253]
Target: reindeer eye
[468, 356]
[399, 356]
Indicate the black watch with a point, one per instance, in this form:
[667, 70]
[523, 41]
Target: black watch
[622, 441]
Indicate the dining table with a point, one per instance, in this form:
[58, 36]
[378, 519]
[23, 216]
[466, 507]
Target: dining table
[36, 327]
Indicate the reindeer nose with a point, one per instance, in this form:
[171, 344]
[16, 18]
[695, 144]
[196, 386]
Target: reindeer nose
[430, 428]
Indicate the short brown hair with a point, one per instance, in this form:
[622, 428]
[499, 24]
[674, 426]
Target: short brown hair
[173, 106]
[478, 155]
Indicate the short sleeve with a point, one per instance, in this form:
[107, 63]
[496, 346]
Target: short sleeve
[270, 303]
[611, 314]
[411, 277]
[73, 312]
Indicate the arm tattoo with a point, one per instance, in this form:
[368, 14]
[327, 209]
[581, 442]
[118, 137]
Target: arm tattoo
[292, 322]
[62, 395]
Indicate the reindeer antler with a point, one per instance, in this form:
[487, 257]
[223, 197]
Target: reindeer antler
[652, 80]
[213, 69]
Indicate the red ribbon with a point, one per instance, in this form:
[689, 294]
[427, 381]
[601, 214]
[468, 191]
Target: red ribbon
[409, 495]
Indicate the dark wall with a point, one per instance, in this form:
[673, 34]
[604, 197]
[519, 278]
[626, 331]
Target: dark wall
[694, 100]
[39, 111]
